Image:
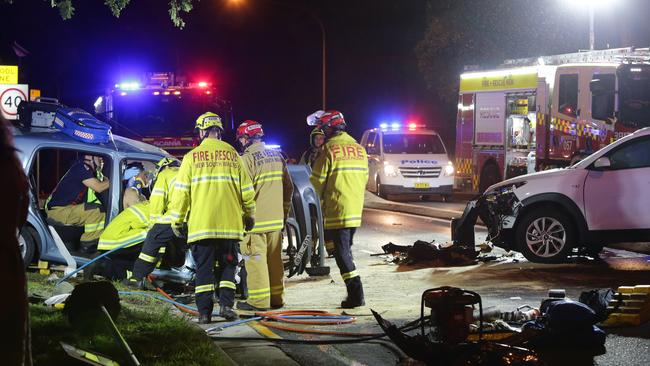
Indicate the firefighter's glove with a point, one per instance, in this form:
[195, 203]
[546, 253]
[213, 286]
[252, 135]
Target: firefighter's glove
[177, 229]
[249, 223]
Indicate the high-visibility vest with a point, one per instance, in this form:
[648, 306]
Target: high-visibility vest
[339, 175]
[129, 227]
[161, 196]
[213, 185]
[273, 187]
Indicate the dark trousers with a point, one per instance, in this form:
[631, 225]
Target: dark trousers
[343, 239]
[160, 236]
[117, 266]
[205, 253]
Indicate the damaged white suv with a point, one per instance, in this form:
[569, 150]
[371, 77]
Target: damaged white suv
[603, 199]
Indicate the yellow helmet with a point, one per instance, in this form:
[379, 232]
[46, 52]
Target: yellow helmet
[207, 120]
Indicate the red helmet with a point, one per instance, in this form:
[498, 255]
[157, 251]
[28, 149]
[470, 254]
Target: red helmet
[331, 119]
[250, 129]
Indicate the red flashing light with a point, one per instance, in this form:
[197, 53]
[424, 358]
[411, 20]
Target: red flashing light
[412, 126]
[208, 92]
[203, 84]
[177, 92]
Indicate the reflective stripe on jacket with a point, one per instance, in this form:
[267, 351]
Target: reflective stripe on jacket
[339, 175]
[273, 186]
[161, 194]
[129, 227]
[213, 185]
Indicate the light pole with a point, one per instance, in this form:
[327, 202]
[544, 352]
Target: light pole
[323, 43]
[592, 36]
[591, 6]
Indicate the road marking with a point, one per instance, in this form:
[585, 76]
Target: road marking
[367, 251]
[264, 330]
[416, 216]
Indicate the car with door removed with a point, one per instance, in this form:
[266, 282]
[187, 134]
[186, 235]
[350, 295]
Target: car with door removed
[549, 215]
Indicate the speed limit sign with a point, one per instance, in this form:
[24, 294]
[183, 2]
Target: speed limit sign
[10, 97]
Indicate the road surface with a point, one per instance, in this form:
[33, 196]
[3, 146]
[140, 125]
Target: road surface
[395, 290]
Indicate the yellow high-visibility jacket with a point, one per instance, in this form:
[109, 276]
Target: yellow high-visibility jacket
[159, 212]
[129, 227]
[339, 175]
[273, 186]
[213, 185]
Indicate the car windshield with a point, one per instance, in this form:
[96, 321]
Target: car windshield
[413, 144]
[158, 115]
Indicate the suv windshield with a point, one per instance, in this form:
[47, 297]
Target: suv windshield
[413, 144]
[634, 95]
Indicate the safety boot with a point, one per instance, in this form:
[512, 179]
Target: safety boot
[243, 305]
[349, 303]
[228, 313]
[205, 319]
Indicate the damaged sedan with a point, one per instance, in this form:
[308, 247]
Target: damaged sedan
[547, 216]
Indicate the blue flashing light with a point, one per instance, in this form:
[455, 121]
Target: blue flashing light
[395, 125]
[273, 146]
[383, 125]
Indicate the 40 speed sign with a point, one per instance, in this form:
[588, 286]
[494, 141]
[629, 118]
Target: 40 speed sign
[10, 97]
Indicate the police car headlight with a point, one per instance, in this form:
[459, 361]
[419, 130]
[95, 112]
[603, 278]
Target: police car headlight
[389, 170]
[449, 169]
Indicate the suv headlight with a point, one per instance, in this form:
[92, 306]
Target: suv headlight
[389, 170]
[449, 169]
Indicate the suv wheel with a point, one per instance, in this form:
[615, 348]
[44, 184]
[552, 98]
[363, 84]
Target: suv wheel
[545, 236]
[27, 244]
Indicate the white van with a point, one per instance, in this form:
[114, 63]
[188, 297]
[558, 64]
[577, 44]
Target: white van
[407, 160]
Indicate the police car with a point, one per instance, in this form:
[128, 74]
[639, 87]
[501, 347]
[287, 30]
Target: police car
[407, 160]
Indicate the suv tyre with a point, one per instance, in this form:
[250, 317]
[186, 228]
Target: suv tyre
[545, 235]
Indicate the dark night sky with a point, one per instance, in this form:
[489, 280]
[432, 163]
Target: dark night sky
[264, 56]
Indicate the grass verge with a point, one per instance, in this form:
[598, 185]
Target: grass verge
[154, 330]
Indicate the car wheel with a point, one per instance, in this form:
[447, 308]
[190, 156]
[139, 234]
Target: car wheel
[545, 236]
[380, 190]
[489, 176]
[27, 243]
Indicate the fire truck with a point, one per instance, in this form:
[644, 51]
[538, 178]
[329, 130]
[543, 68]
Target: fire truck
[160, 109]
[533, 114]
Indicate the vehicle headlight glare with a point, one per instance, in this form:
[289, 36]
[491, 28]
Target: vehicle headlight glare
[449, 169]
[390, 170]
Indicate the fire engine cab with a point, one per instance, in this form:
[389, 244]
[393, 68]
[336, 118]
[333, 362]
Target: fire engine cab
[538, 113]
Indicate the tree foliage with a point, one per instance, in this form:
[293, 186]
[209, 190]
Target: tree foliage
[176, 8]
[486, 32]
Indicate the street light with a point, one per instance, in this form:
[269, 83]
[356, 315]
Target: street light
[591, 5]
[323, 42]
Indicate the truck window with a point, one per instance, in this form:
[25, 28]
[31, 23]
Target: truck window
[413, 144]
[568, 94]
[602, 103]
[370, 143]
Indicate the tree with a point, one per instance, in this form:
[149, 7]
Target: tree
[176, 8]
[486, 32]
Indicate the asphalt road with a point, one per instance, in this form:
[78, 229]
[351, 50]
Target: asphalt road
[395, 290]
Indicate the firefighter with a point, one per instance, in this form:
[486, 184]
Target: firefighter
[339, 177]
[128, 229]
[213, 186]
[69, 202]
[262, 246]
[316, 141]
[160, 236]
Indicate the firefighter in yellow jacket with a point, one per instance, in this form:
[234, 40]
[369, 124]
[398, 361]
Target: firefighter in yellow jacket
[339, 176]
[213, 185]
[128, 229]
[262, 246]
[160, 235]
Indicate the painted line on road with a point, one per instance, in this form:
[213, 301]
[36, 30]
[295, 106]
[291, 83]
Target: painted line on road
[264, 330]
[416, 216]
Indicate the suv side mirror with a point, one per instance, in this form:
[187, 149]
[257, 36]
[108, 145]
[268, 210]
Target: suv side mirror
[602, 163]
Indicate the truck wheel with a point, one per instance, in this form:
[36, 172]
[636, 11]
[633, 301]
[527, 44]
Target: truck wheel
[545, 235]
[380, 190]
[27, 243]
[489, 176]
